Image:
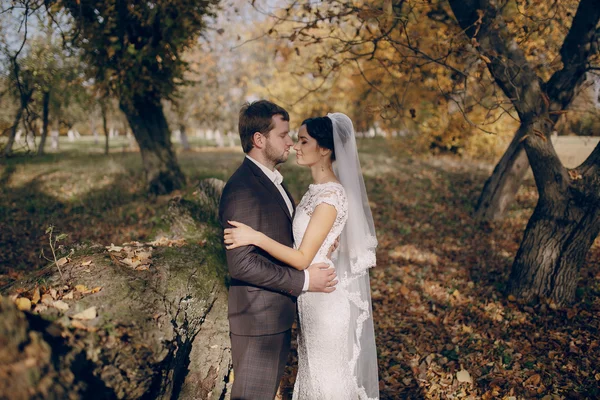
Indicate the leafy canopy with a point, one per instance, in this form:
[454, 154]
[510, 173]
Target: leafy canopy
[135, 48]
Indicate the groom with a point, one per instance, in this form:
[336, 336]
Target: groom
[263, 291]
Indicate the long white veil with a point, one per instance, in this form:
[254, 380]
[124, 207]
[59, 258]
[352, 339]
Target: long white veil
[355, 255]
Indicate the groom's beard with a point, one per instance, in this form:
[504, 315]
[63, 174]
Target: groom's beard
[273, 156]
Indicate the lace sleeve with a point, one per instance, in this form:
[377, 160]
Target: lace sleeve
[336, 197]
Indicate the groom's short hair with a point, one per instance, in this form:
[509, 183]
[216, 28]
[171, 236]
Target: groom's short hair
[255, 117]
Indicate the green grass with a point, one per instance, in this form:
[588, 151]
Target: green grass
[94, 197]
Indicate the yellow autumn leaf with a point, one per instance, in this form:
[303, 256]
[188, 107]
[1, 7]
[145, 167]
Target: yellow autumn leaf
[86, 314]
[112, 247]
[404, 290]
[23, 304]
[144, 255]
[533, 380]
[47, 299]
[78, 325]
[60, 305]
[62, 261]
[464, 376]
[81, 288]
[132, 262]
[36, 296]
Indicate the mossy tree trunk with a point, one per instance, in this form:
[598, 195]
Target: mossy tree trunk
[160, 333]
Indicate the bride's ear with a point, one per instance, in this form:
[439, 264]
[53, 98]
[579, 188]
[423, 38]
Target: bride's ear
[324, 152]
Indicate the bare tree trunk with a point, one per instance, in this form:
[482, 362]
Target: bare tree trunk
[184, 139]
[104, 126]
[566, 220]
[502, 186]
[556, 241]
[46, 102]
[55, 138]
[28, 123]
[149, 125]
[13, 133]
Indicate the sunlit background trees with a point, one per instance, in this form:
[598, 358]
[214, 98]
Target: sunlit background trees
[475, 80]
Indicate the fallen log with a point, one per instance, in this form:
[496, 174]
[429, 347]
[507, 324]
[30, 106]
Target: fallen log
[131, 321]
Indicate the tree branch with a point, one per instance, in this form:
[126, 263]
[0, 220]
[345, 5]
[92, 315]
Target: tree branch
[575, 53]
[483, 22]
[486, 27]
[591, 166]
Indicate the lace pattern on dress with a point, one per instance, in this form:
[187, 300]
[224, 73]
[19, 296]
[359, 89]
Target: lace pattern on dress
[309, 305]
[331, 193]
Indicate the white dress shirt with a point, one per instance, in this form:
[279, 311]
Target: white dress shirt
[277, 179]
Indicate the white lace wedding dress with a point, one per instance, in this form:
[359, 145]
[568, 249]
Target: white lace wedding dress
[324, 343]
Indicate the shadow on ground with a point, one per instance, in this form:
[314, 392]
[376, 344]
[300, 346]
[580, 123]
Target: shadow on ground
[437, 290]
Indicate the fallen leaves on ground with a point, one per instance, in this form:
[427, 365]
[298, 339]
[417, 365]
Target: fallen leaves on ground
[437, 290]
[23, 304]
[443, 327]
[166, 242]
[135, 256]
[43, 297]
[87, 314]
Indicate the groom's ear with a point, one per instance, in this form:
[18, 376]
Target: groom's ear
[258, 140]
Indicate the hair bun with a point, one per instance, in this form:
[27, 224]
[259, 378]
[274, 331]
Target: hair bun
[321, 129]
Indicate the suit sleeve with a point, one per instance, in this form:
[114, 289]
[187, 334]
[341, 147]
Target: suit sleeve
[246, 263]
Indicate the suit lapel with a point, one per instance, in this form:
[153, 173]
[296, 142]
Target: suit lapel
[270, 186]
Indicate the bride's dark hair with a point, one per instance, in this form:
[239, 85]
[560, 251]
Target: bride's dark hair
[321, 128]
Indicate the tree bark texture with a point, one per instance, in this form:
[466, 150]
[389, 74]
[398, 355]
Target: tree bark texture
[565, 222]
[493, 36]
[151, 131]
[104, 126]
[184, 139]
[160, 333]
[502, 186]
[554, 248]
[45, 105]
[13, 133]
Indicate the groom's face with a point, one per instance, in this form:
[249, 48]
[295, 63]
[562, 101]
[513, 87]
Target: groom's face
[279, 142]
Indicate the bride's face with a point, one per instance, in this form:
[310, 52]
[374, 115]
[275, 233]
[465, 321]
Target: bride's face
[307, 150]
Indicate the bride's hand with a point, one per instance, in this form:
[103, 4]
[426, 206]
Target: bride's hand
[241, 235]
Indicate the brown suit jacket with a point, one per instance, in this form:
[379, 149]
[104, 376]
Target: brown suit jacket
[263, 291]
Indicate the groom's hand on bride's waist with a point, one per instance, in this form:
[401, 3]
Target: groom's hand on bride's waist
[322, 278]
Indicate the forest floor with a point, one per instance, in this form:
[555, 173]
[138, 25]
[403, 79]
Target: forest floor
[444, 328]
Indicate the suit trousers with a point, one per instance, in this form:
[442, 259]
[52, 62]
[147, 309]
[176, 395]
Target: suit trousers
[258, 364]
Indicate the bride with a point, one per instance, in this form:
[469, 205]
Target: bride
[337, 357]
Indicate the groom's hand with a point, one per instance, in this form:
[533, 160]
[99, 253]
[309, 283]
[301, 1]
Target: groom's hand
[321, 278]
